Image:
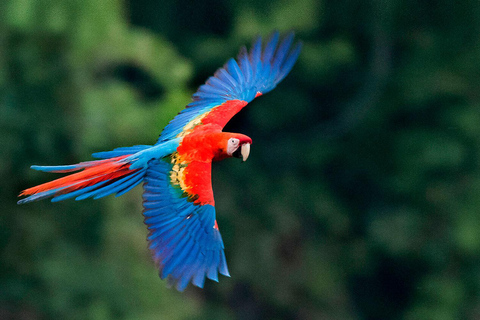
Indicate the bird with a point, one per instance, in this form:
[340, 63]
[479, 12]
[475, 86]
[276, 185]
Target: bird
[178, 203]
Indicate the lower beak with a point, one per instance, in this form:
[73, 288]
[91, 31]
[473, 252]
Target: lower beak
[245, 151]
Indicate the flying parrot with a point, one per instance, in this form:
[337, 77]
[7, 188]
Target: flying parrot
[179, 208]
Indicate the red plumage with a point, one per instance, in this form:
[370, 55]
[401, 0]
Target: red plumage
[93, 172]
[194, 163]
[221, 114]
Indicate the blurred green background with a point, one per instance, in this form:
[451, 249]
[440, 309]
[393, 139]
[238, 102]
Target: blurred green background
[361, 196]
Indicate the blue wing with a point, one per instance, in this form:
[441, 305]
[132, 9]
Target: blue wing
[184, 237]
[254, 72]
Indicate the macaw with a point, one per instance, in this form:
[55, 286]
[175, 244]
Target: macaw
[179, 208]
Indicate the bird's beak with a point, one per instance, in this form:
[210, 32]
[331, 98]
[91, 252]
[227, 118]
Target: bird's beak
[242, 152]
[245, 151]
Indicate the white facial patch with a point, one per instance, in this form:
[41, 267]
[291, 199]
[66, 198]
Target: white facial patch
[232, 145]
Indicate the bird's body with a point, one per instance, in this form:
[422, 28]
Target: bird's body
[178, 198]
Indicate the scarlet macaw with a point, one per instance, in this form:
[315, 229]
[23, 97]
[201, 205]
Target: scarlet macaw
[179, 209]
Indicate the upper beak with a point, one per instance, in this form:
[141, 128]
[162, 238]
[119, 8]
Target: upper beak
[245, 151]
[242, 152]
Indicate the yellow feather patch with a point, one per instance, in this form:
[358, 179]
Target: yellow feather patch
[191, 125]
[177, 175]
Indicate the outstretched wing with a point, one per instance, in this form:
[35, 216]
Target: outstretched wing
[236, 84]
[178, 198]
[184, 238]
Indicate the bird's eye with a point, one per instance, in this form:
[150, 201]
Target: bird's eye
[233, 144]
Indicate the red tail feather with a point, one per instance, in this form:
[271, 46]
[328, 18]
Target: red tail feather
[103, 171]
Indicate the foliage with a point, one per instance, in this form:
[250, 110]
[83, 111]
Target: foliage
[361, 195]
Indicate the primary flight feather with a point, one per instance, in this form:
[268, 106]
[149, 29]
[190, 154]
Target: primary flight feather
[179, 207]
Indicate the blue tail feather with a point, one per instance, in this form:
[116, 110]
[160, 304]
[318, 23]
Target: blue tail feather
[78, 192]
[122, 151]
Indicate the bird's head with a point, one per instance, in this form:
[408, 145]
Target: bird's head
[236, 145]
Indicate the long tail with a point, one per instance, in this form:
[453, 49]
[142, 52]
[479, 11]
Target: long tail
[96, 179]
